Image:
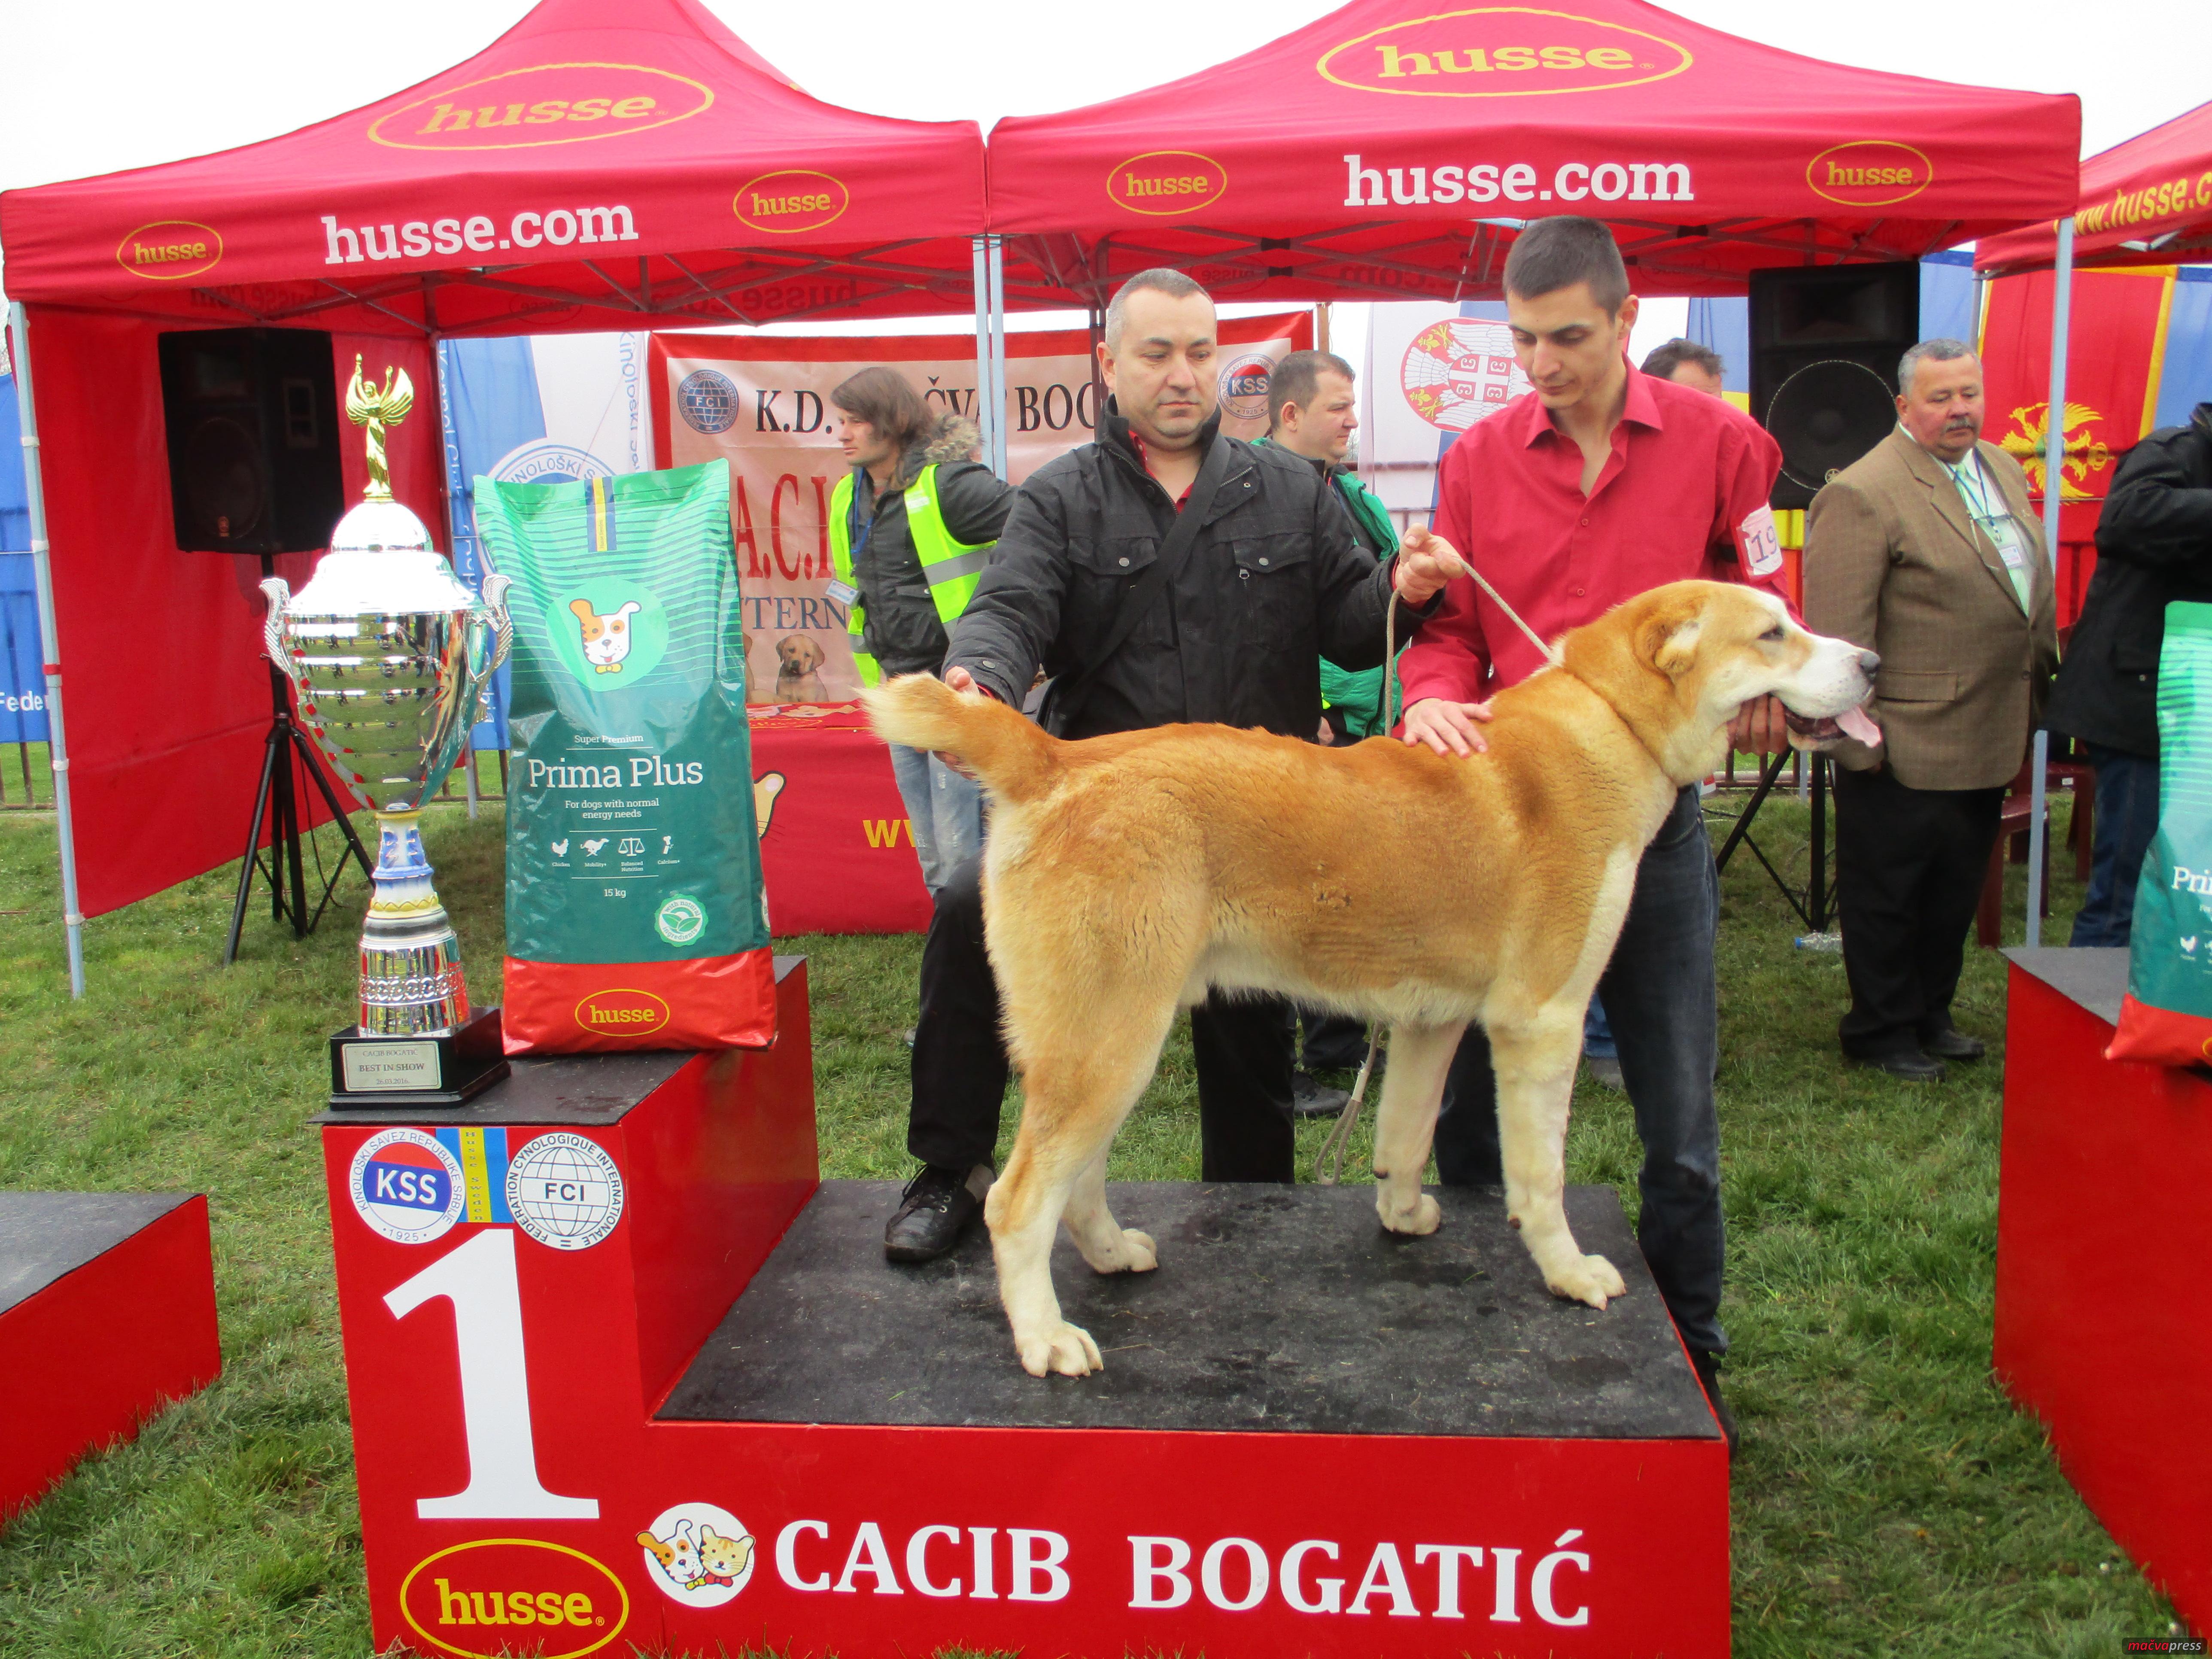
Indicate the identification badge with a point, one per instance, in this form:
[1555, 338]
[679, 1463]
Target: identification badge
[2010, 551]
[843, 593]
[1760, 542]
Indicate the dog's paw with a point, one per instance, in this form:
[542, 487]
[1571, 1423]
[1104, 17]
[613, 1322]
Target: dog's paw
[1139, 1255]
[1422, 1219]
[1066, 1349]
[1131, 1252]
[1592, 1279]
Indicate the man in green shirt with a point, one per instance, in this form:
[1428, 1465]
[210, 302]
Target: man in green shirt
[1312, 411]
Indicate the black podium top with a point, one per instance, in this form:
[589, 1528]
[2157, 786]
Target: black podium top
[564, 1091]
[1281, 1309]
[2091, 978]
[43, 1235]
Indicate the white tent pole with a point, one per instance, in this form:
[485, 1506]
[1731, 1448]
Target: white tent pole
[49, 643]
[982, 281]
[998, 263]
[2054, 487]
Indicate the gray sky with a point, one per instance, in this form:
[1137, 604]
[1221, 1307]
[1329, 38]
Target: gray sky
[95, 89]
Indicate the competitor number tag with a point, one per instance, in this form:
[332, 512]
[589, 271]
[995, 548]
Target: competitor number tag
[1760, 542]
[843, 593]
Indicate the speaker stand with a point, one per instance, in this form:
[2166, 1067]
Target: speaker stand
[276, 804]
[1815, 906]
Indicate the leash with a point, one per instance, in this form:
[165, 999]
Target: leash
[1328, 1167]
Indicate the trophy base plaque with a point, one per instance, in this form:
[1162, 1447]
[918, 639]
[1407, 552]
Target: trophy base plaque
[448, 1070]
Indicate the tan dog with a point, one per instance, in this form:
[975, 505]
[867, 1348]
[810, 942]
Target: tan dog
[1125, 875]
[797, 671]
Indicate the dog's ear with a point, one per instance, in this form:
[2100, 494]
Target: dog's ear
[583, 609]
[1668, 638]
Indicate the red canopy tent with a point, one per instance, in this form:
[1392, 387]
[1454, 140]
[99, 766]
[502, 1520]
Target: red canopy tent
[2147, 201]
[596, 165]
[600, 165]
[1386, 152]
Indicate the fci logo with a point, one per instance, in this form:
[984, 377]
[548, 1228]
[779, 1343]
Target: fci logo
[498, 1595]
[1164, 183]
[784, 203]
[1501, 52]
[168, 249]
[1869, 172]
[545, 104]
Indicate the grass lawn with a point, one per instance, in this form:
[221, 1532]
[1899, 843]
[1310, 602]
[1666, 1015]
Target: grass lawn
[1888, 1501]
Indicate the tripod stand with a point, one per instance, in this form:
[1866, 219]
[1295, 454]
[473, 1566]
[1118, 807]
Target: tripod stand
[1815, 907]
[277, 804]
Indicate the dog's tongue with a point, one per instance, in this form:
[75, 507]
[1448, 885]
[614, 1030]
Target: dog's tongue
[1855, 725]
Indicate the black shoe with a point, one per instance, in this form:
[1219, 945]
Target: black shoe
[1708, 1377]
[1312, 1099]
[937, 1208]
[1952, 1043]
[1907, 1065]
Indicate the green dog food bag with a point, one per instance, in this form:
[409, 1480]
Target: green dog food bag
[636, 916]
[2167, 1015]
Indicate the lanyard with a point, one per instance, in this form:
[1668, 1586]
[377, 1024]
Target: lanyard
[857, 533]
[1976, 494]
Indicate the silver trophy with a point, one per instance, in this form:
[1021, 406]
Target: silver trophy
[390, 656]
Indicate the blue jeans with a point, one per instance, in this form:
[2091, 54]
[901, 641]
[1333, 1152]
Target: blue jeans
[1597, 1033]
[2127, 817]
[944, 810]
[1661, 1001]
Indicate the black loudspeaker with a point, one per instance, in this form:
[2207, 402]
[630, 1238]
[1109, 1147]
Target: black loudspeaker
[252, 419]
[1825, 341]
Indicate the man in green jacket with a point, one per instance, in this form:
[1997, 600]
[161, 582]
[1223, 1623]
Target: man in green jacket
[1312, 411]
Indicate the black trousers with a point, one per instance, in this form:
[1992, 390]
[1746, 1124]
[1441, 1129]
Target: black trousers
[1243, 1046]
[1660, 994]
[1910, 864]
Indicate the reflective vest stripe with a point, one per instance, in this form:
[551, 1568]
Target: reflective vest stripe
[951, 568]
[960, 564]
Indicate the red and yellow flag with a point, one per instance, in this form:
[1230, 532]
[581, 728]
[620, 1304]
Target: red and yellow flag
[2117, 339]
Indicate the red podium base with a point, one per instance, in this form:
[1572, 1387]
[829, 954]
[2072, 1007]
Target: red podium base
[2104, 1311]
[625, 1376]
[107, 1316]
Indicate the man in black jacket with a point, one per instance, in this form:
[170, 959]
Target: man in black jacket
[2154, 546]
[1273, 580]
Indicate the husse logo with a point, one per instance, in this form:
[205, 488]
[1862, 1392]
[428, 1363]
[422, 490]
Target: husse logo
[623, 1011]
[1166, 182]
[498, 1595]
[1869, 172]
[1501, 52]
[784, 203]
[545, 104]
[168, 249]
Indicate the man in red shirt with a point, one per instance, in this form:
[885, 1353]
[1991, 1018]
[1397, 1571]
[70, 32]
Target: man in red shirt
[1597, 485]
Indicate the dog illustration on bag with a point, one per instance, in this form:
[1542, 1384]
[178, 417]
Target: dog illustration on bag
[606, 638]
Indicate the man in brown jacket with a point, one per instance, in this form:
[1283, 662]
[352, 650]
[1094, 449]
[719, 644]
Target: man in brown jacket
[1927, 552]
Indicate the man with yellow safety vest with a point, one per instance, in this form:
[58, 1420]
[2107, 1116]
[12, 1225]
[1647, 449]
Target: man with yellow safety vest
[911, 527]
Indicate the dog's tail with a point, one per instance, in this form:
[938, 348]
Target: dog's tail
[1016, 761]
